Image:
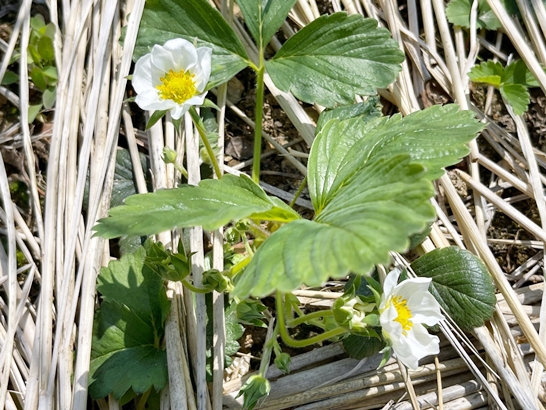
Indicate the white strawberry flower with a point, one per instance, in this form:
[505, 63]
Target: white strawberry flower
[172, 77]
[404, 308]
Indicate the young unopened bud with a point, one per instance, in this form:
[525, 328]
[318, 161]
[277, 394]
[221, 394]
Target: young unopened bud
[169, 155]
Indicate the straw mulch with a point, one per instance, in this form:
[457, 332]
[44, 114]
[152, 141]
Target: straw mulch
[492, 205]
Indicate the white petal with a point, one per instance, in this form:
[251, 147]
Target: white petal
[389, 285]
[203, 67]
[409, 287]
[422, 342]
[425, 309]
[142, 77]
[179, 110]
[162, 59]
[183, 53]
[196, 100]
[149, 100]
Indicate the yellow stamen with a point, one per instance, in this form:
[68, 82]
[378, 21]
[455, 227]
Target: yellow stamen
[404, 314]
[178, 86]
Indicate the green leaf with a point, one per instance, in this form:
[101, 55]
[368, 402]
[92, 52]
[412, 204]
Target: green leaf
[359, 347]
[489, 72]
[264, 17]
[128, 330]
[518, 73]
[370, 185]
[460, 283]
[374, 213]
[163, 20]
[129, 282]
[46, 50]
[155, 117]
[10, 77]
[335, 57]
[234, 331]
[33, 111]
[117, 365]
[517, 96]
[212, 204]
[251, 312]
[37, 22]
[458, 13]
[50, 72]
[366, 111]
[124, 184]
[49, 97]
[34, 56]
[434, 137]
[37, 77]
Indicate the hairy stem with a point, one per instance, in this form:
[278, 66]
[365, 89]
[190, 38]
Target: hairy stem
[203, 134]
[298, 193]
[258, 122]
[300, 343]
[311, 317]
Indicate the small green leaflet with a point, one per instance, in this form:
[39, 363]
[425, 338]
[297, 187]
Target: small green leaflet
[212, 204]
[335, 57]
[264, 17]
[517, 96]
[194, 20]
[460, 283]
[490, 72]
[128, 329]
[512, 81]
[458, 13]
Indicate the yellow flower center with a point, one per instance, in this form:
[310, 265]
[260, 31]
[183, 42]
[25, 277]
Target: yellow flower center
[404, 314]
[178, 86]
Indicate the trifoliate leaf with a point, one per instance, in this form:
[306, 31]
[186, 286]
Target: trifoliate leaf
[370, 185]
[212, 204]
[517, 96]
[335, 57]
[373, 214]
[460, 283]
[194, 20]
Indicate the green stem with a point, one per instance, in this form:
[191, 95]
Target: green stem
[194, 288]
[181, 169]
[300, 343]
[309, 317]
[144, 399]
[235, 269]
[298, 193]
[268, 348]
[258, 122]
[203, 134]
